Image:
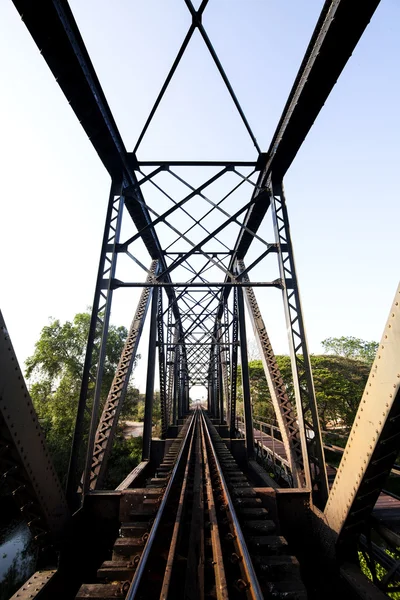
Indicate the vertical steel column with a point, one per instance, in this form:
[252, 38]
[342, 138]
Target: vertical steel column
[109, 419]
[221, 392]
[106, 264]
[185, 381]
[311, 440]
[170, 365]
[172, 375]
[176, 379]
[234, 361]
[161, 366]
[211, 382]
[284, 412]
[180, 380]
[226, 368]
[221, 370]
[151, 365]
[216, 381]
[248, 417]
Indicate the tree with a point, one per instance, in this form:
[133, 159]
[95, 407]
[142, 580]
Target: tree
[351, 347]
[55, 372]
[339, 384]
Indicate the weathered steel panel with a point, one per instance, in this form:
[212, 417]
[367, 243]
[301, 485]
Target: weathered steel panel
[25, 462]
[374, 439]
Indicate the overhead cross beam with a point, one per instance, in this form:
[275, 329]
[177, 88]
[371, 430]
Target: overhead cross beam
[58, 38]
[336, 34]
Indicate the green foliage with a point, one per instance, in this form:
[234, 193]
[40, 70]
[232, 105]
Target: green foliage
[380, 571]
[55, 371]
[125, 455]
[339, 384]
[351, 347]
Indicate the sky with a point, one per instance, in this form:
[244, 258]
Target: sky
[342, 189]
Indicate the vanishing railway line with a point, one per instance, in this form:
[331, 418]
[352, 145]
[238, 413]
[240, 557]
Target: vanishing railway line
[201, 532]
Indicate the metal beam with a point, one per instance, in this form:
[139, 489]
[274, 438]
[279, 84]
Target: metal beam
[151, 366]
[336, 34]
[303, 385]
[57, 36]
[284, 412]
[234, 364]
[108, 256]
[374, 440]
[112, 408]
[25, 463]
[247, 410]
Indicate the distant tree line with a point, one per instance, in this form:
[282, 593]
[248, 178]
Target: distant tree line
[339, 376]
[54, 372]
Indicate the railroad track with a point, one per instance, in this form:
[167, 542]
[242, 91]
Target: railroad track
[205, 534]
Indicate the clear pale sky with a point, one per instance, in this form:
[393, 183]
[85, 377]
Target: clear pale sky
[342, 189]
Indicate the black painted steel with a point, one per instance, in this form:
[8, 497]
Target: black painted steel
[247, 409]
[151, 366]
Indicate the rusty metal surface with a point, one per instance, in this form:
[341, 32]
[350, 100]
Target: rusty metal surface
[253, 586]
[177, 525]
[137, 472]
[219, 569]
[25, 463]
[112, 408]
[146, 553]
[284, 412]
[374, 439]
[35, 585]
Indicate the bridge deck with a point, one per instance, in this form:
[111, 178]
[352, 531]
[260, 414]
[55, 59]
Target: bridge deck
[387, 507]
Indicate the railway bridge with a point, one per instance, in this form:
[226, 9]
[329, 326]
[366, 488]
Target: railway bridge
[201, 516]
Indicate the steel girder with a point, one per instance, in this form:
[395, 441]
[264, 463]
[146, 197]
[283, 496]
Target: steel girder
[109, 419]
[284, 412]
[339, 27]
[25, 464]
[374, 441]
[58, 38]
[96, 344]
[162, 367]
[151, 366]
[336, 34]
[234, 362]
[306, 404]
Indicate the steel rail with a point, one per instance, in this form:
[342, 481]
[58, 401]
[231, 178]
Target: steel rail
[178, 519]
[219, 569]
[147, 549]
[252, 580]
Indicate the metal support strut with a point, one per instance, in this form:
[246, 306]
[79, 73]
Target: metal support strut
[307, 413]
[94, 361]
[151, 365]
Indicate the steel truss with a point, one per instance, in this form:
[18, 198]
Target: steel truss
[199, 266]
[109, 419]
